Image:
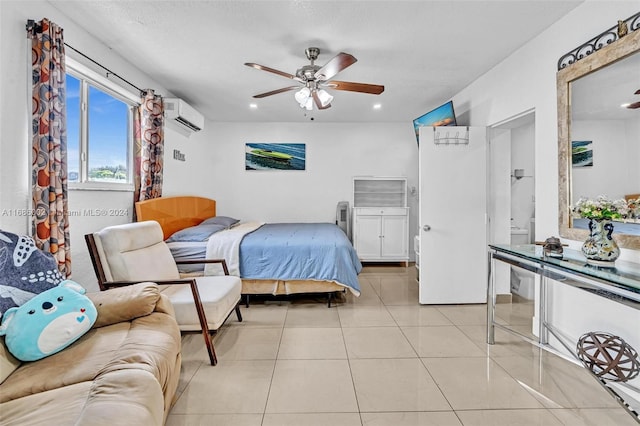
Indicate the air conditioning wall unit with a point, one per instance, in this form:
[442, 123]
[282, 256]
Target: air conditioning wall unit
[183, 113]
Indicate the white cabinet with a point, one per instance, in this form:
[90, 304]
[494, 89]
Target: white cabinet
[380, 234]
[381, 219]
[367, 232]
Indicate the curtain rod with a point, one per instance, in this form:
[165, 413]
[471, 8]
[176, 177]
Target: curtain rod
[31, 24]
[109, 72]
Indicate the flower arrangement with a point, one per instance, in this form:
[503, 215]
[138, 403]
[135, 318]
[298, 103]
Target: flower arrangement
[604, 208]
[634, 205]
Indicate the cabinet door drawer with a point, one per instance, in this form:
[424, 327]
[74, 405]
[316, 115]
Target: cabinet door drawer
[376, 211]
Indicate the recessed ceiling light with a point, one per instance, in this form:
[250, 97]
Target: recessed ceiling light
[377, 106]
[253, 106]
[624, 105]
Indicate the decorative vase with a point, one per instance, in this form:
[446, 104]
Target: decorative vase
[600, 248]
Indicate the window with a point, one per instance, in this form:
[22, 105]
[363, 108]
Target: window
[99, 135]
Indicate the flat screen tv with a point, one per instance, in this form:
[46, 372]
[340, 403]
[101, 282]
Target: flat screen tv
[441, 116]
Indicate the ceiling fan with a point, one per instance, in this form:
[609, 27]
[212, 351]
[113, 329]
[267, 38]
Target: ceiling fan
[314, 79]
[634, 105]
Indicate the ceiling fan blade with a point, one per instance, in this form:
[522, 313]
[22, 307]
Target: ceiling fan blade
[634, 105]
[318, 102]
[637, 92]
[275, 92]
[334, 66]
[373, 89]
[273, 70]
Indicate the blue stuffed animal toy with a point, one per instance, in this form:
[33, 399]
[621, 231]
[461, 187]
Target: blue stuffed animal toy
[49, 322]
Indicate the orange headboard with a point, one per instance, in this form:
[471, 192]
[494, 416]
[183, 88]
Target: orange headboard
[176, 213]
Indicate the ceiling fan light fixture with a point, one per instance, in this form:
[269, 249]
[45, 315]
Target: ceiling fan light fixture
[303, 95]
[312, 77]
[325, 97]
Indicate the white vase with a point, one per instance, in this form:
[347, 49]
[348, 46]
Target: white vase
[600, 248]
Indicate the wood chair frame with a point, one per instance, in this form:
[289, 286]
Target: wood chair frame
[206, 333]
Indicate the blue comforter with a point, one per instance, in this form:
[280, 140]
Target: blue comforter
[300, 251]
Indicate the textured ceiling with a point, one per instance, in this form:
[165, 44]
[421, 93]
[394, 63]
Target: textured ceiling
[423, 52]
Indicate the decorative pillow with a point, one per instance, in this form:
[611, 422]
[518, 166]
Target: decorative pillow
[24, 270]
[49, 322]
[195, 233]
[226, 221]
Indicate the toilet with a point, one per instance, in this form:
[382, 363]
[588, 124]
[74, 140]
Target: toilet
[522, 282]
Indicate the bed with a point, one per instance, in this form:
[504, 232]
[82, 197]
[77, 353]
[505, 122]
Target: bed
[270, 258]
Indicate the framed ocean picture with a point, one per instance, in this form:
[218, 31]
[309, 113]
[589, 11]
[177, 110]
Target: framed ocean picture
[581, 153]
[275, 156]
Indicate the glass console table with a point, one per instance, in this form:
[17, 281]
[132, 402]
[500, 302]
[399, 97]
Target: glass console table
[620, 284]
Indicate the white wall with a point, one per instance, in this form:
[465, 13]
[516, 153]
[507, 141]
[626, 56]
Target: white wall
[615, 159]
[15, 105]
[15, 110]
[633, 151]
[527, 80]
[335, 153]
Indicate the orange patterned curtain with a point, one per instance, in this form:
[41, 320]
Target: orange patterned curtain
[50, 227]
[148, 128]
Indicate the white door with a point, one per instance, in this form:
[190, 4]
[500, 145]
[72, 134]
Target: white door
[394, 237]
[453, 229]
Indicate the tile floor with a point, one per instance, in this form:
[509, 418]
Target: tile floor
[382, 359]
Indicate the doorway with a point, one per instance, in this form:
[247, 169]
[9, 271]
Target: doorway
[512, 209]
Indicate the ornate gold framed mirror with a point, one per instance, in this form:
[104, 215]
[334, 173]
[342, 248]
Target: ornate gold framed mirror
[584, 86]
